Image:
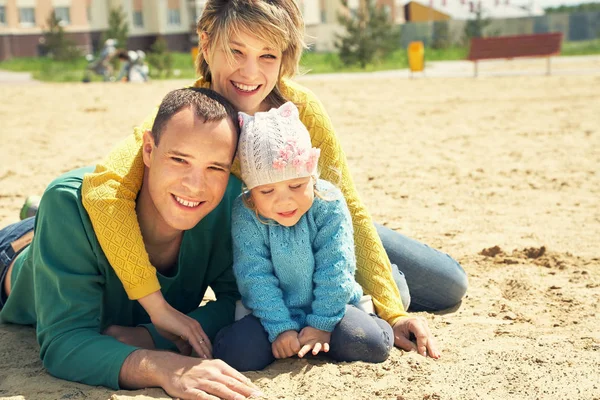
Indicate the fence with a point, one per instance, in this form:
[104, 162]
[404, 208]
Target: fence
[575, 26]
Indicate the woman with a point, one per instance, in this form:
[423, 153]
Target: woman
[249, 50]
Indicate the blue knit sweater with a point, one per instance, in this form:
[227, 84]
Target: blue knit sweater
[291, 277]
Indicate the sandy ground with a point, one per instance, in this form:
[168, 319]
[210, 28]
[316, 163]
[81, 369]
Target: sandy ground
[501, 172]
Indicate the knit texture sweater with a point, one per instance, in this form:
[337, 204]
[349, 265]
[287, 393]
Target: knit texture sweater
[291, 277]
[109, 197]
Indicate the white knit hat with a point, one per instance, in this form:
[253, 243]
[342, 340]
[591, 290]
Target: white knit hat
[275, 146]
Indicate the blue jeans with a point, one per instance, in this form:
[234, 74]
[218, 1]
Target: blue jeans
[428, 279]
[359, 336]
[7, 254]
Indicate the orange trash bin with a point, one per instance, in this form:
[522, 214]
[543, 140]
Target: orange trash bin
[416, 56]
[194, 53]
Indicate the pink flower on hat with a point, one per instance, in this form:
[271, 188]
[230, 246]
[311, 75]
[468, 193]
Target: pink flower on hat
[286, 111]
[285, 154]
[313, 158]
[298, 163]
[279, 163]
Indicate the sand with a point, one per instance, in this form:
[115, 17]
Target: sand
[503, 173]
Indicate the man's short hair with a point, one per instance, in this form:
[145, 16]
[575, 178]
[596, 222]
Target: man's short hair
[206, 104]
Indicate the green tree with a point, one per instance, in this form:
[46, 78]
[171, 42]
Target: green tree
[160, 59]
[370, 34]
[118, 28]
[585, 7]
[441, 35]
[475, 27]
[58, 46]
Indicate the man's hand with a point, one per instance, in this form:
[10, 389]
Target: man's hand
[286, 344]
[174, 325]
[185, 377]
[417, 326]
[315, 339]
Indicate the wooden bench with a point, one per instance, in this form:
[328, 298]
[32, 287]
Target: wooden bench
[509, 47]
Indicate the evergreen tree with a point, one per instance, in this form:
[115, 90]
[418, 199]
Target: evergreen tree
[370, 34]
[441, 35]
[118, 28]
[160, 59]
[57, 45]
[475, 27]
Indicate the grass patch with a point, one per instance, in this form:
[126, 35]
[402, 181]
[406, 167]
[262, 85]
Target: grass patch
[582, 48]
[48, 70]
[45, 69]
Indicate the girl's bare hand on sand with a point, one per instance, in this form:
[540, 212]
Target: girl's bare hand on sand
[313, 339]
[417, 326]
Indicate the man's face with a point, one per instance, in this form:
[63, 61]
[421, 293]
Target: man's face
[188, 170]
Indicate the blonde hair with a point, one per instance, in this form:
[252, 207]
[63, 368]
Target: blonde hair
[272, 21]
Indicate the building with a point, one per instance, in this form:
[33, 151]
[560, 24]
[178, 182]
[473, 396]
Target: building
[493, 9]
[22, 23]
[321, 19]
[417, 12]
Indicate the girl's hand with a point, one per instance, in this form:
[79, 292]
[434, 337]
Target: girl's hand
[417, 326]
[286, 344]
[315, 339]
[176, 326]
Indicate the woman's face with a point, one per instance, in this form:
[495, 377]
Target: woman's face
[252, 75]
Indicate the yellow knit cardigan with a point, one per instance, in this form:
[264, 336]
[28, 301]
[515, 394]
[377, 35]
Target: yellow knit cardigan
[109, 196]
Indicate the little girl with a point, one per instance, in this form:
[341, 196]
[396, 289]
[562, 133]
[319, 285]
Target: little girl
[294, 256]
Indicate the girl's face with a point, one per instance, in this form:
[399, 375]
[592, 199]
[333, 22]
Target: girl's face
[285, 202]
[252, 75]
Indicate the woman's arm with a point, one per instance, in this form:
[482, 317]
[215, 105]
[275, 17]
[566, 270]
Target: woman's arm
[373, 270]
[109, 196]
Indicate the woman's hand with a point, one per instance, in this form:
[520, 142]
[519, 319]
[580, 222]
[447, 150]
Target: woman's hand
[176, 326]
[313, 339]
[417, 326]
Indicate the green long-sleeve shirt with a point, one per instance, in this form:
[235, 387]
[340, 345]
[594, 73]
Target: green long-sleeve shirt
[63, 284]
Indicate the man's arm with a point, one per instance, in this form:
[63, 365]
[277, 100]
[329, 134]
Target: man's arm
[69, 294]
[184, 377]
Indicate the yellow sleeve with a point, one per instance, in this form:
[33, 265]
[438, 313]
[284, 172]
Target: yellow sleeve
[109, 196]
[373, 269]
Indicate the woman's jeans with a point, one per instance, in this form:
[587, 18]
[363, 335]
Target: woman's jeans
[357, 337]
[428, 279]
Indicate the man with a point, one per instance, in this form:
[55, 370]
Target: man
[62, 283]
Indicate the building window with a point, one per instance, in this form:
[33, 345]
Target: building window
[63, 15]
[2, 15]
[174, 17]
[27, 16]
[311, 12]
[138, 19]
